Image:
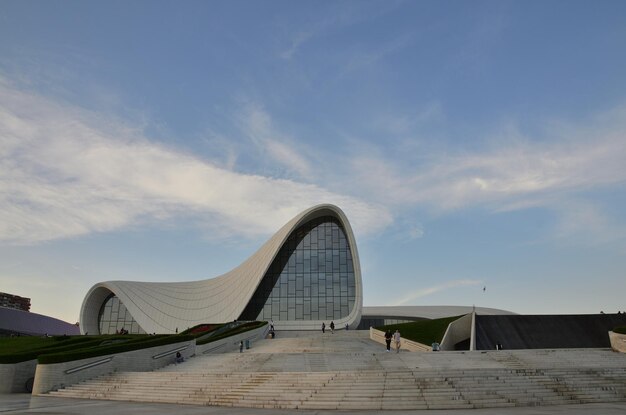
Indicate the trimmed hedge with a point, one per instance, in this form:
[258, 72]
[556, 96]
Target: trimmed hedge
[84, 353]
[236, 330]
[620, 330]
[425, 331]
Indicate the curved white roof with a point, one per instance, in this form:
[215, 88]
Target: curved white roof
[27, 322]
[427, 311]
[164, 307]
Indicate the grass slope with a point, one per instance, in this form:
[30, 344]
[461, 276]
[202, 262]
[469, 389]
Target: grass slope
[425, 331]
[67, 348]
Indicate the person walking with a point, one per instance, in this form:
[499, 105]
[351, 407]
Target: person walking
[241, 346]
[396, 339]
[388, 339]
[323, 327]
[332, 327]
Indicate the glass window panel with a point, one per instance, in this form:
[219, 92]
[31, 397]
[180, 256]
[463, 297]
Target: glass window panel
[307, 241]
[317, 247]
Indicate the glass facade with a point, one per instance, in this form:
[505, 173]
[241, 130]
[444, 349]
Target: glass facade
[113, 317]
[311, 278]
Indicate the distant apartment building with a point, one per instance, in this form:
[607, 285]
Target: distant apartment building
[14, 301]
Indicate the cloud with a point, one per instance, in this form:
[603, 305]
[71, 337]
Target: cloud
[558, 168]
[332, 18]
[359, 59]
[423, 292]
[274, 145]
[498, 176]
[415, 232]
[582, 220]
[296, 41]
[65, 172]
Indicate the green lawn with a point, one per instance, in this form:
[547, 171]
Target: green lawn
[66, 348]
[24, 343]
[620, 330]
[20, 349]
[425, 331]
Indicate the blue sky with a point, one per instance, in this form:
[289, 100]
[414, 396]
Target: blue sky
[471, 144]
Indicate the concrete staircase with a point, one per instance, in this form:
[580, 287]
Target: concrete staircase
[281, 375]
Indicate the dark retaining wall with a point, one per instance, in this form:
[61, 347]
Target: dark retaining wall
[546, 331]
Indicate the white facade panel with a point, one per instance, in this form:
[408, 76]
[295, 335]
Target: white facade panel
[166, 307]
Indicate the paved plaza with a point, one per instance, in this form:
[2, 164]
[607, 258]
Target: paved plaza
[297, 356]
[17, 404]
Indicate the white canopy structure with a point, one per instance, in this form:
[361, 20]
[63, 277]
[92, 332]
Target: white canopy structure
[306, 274]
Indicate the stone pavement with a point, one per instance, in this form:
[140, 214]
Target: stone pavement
[19, 404]
[310, 372]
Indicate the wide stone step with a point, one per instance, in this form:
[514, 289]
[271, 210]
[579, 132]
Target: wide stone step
[409, 381]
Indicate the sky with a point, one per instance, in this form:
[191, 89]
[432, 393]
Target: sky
[477, 148]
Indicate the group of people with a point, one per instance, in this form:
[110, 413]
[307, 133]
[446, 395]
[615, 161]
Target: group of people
[396, 338]
[332, 327]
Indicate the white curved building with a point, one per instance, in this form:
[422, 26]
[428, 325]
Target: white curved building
[306, 274]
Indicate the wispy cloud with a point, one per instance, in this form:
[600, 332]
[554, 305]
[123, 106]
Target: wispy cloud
[274, 145]
[65, 172]
[423, 292]
[555, 169]
[296, 41]
[359, 59]
[337, 16]
[500, 174]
